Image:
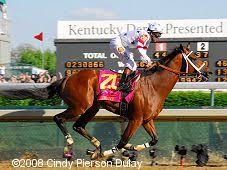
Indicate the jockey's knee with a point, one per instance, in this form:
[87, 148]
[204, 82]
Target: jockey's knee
[153, 141]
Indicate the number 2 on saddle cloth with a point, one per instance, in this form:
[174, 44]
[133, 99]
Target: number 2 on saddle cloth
[108, 83]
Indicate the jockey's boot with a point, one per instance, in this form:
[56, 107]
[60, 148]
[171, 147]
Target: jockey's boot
[124, 78]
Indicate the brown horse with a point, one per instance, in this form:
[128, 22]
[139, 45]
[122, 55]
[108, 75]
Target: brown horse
[80, 94]
[80, 91]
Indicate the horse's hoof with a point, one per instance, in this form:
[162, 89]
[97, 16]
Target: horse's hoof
[68, 153]
[68, 156]
[96, 155]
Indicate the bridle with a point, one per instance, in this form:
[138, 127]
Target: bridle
[188, 61]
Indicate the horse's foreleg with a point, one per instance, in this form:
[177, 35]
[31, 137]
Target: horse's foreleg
[150, 129]
[132, 127]
[79, 126]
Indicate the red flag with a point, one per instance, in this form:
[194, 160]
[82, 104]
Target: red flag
[39, 36]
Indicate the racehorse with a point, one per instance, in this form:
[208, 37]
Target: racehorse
[79, 92]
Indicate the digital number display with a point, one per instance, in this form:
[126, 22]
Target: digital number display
[221, 63]
[71, 66]
[202, 54]
[189, 79]
[206, 63]
[221, 72]
[92, 54]
[160, 54]
[221, 79]
[69, 72]
[84, 64]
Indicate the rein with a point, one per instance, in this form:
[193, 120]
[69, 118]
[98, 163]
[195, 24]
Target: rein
[170, 69]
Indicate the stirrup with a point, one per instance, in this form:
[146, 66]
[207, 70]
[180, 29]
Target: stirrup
[123, 108]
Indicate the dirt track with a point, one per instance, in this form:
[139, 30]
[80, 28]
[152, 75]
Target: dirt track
[6, 165]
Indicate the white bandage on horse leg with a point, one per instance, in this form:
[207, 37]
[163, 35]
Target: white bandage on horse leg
[128, 146]
[110, 152]
[141, 147]
[69, 139]
[95, 142]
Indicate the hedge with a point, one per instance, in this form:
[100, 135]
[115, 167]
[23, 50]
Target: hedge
[195, 99]
[175, 99]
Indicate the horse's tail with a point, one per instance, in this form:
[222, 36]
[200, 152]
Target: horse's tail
[55, 87]
[34, 93]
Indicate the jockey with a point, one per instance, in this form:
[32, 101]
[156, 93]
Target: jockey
[139, 39]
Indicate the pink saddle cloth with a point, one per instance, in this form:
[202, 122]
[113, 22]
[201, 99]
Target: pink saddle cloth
[108, 83]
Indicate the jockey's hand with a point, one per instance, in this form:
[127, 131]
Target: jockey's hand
[150, 64]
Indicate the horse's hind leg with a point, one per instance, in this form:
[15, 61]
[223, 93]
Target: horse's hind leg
[60, 119]
[79, 126]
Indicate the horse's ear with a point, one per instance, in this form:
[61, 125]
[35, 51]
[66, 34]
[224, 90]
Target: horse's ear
[188, 46]
[181, 47]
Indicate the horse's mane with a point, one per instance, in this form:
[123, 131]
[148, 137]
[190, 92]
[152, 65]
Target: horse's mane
[164, 61]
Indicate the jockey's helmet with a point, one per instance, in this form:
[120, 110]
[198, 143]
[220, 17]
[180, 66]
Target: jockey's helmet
[155, 27]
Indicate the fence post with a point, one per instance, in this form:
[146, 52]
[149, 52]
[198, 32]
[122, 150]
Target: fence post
[212, 97]
[62, 102]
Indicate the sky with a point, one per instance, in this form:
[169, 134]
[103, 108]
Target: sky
[30, 17]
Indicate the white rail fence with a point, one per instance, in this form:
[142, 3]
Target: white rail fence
[212, 86]
[179, 85]
[46, 115]
[41, 115]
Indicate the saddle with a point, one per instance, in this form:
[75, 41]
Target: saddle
[108, 88]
